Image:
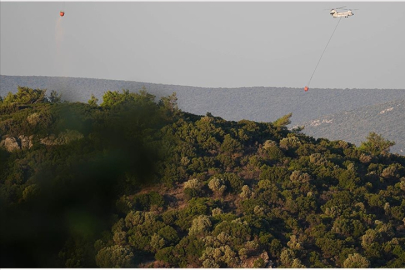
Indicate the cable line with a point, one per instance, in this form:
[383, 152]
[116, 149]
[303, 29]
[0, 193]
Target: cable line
[309, 82]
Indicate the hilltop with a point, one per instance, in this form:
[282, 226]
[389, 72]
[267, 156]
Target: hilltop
[130, 181]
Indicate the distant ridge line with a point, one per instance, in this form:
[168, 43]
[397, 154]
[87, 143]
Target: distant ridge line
[260, 104]
[200, 87]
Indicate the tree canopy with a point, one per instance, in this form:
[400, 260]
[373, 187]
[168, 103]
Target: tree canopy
[136, 182]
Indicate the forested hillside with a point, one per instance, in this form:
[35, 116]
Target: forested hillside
[128, 181]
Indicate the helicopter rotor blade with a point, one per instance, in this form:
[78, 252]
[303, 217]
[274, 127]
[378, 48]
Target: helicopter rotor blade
[335, 8]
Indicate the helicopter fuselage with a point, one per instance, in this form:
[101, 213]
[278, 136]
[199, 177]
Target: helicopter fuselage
[345, 14]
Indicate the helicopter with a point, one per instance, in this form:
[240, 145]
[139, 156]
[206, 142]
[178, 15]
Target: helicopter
[336, 14]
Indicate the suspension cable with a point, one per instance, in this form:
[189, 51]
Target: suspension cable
[309, 82]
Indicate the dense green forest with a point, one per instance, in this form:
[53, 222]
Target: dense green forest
[134, 182]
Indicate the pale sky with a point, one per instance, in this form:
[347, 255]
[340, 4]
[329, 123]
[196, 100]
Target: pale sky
[207, 44]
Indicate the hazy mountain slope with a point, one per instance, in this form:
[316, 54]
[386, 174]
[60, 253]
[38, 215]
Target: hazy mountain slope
[386, 119]
[262, 104]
